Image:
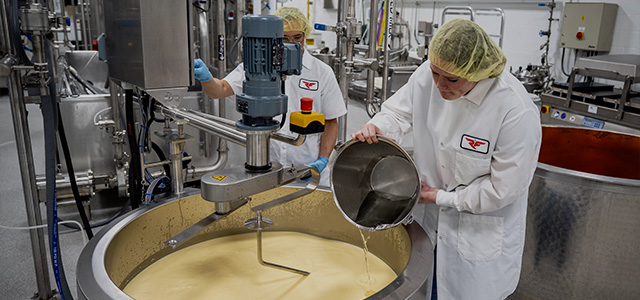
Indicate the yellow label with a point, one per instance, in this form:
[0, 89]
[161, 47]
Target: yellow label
[311, 42]
[582, 18]
[219, 178]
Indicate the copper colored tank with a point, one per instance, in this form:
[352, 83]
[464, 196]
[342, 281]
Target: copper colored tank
[591, 151]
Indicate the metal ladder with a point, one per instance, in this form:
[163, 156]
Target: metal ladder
[469, 11]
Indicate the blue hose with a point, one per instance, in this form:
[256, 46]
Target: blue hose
[50, 116]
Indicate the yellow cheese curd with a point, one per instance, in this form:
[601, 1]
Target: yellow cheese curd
[227, 268]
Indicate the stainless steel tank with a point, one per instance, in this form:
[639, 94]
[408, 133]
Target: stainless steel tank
[123, 249]
[583, 223]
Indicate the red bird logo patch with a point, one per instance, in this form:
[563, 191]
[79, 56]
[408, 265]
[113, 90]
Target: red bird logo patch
[474, 144]
[311, 85]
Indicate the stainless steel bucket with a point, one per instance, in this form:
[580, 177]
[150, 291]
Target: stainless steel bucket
[375, 186]
[582, 238]
[124, 248]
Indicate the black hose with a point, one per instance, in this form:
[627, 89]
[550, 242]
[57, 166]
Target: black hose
[161, 157]
[284, 115]
[87, 85]
[135, 176]
[72, 176]
[152, 113]
[49, 114]
[562, 64]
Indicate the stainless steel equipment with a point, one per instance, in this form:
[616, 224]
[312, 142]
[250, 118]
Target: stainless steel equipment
[533, 77]
[147, 51]
[582, 237]
[259, 224]
[348, 33]
[600, 103]
[620, 64]
[240, 188]
[124, 248]
[92, 149]
[268, 62]
[90, 67]
[375, 186]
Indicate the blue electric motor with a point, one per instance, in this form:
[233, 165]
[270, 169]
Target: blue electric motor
[266, 59]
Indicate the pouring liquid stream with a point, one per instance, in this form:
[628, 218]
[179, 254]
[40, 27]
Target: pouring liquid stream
[370, 291]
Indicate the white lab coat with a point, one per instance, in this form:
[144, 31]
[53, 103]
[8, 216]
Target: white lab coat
[316, 81]
[481, 150]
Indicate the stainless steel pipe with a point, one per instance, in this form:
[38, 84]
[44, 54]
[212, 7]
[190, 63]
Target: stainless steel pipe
[372, 54]
[205, 54]
[27, 170]
[233, 135]
[257, 154]
[387, 48]
[296, 141]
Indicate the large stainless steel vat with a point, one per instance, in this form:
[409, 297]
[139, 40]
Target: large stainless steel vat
[583, 220]
[121, 250]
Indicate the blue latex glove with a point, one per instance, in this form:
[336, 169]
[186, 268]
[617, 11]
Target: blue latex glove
[201, 70]
[319, 164]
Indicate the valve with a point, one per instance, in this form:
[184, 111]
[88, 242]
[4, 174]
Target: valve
[323, 27]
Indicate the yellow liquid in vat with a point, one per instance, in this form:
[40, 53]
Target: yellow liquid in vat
[227, 268]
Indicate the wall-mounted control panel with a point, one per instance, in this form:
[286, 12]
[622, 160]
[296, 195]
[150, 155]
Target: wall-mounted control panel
[588, 26]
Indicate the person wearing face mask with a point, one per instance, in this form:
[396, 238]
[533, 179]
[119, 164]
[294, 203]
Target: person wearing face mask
[477, 136]
[316, 81]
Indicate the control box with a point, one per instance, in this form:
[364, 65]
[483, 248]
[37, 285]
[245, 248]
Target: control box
[425, 28]
[588, 26]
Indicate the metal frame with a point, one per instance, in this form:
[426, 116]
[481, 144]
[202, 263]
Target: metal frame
[627, 119]
[469, 11]
[627, 79]
[25, 159]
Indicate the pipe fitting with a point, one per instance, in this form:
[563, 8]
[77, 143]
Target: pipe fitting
[34, 18]
[6, 65]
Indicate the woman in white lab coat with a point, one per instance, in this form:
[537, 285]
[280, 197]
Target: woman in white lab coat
[477, 136]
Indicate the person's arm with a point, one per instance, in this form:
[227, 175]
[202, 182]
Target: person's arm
[217, 88]
[327, 141]
[512, 167]
[213, 87]
[328, 137]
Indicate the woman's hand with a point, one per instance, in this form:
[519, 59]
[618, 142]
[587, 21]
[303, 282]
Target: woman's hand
[427, 193]
[368, 133]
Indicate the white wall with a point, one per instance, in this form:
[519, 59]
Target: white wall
[524, 19]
